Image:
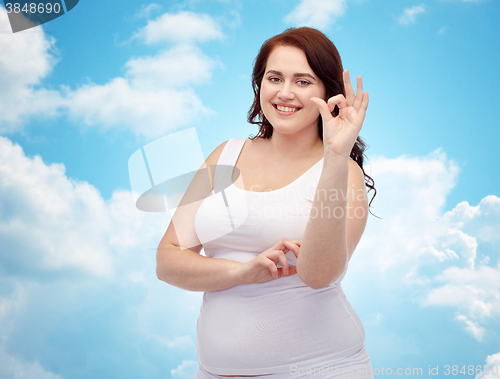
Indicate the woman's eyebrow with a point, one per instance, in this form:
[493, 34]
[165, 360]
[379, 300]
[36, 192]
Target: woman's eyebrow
[296, 75]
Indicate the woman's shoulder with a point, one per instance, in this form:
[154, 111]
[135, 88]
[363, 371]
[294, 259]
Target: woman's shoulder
[214, 156]
[216, 153]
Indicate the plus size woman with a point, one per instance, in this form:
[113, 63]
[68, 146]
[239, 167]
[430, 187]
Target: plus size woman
[279, 217]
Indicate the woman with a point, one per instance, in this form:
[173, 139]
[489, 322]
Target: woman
[279, 228]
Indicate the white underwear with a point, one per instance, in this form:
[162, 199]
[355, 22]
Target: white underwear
[361, 369]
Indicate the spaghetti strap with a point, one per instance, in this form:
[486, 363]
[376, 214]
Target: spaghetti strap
[231, 151]
[226, 162]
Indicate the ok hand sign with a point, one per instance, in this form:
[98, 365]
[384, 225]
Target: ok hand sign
[340, 133]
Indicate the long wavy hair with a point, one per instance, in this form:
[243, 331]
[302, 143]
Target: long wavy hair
[324, 60]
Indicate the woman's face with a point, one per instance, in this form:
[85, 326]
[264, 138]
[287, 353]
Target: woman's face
[286, 89]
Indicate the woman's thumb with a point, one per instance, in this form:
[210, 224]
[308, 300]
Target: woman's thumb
[323, 108]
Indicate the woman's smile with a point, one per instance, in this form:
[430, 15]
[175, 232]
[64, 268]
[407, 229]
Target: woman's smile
[284, 109]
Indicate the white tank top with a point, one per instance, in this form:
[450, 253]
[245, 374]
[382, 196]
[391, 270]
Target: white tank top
[264, 328]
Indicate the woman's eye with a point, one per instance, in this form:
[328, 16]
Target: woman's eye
[274, 80]
[303, 82]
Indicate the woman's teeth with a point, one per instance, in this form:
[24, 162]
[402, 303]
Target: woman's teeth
[286, 109]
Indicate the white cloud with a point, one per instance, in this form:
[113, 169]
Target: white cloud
[25, 60]
[443, 259]
[48, 222]
[183, 27]
[410, 14]
[491, 361]
[472, 327]
[146, 10]
[410, 197]
[316, 13]
[178, 67]
[155, 96]
[122, 103]
[475, 291]
[471, 284]
[441, 256]
[13, 368]
[186, 370]
[482, 220]
[75, 267]
[375, 319]
[442, 30]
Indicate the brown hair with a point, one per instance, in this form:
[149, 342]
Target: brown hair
[324, 60]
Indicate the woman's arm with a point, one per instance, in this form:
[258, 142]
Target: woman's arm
[340, 208]
[189, 270]
[178, 259]
[336, 223]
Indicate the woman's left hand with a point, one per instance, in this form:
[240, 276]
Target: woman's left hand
[340, 133]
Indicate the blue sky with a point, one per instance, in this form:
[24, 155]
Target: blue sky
[78, 96]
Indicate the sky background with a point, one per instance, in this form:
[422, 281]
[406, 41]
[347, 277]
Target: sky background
[79, 297]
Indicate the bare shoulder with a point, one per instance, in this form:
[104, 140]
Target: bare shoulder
[214, 156]
[355, 170]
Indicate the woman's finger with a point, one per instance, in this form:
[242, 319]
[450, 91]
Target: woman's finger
[286, 245]
[363, 107]
[284, 263]
[272, 268]
[359, 93]
[326, 114]
[280, 244]
[366, 100]
[292, 246]
[349, 91]
[292, 270]
[338, 100]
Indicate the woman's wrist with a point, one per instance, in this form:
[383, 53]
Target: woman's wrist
[333, 157]
[237, 274]
[335, 164]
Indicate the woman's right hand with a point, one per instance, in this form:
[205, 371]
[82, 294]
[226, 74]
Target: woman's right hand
[263, 268]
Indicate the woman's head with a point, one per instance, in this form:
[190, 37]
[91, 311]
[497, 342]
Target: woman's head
[324, 59]
[322, 56]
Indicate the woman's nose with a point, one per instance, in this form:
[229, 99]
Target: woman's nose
[286, 92]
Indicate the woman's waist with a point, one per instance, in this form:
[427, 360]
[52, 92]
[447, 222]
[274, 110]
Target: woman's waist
[291, 304]
[262, 361]
[273, 332]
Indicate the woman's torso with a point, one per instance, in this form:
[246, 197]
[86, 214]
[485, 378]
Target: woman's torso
[258, 329]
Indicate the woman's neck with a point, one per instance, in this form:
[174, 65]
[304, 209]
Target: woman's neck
[291, 147]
